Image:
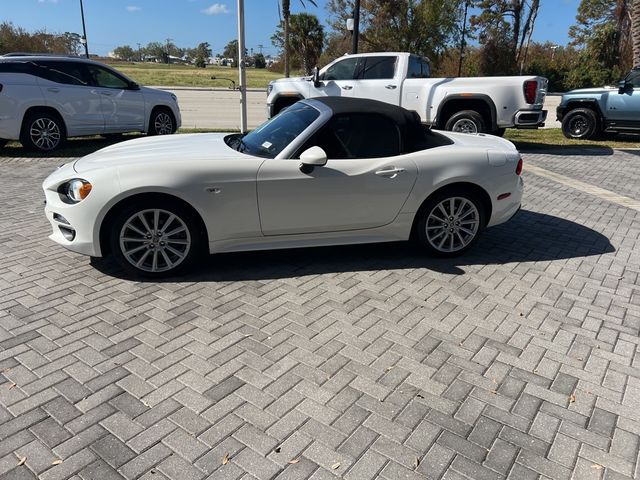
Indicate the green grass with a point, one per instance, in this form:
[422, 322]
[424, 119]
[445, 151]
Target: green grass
[547, 139]
[553, 139]
[189, 76]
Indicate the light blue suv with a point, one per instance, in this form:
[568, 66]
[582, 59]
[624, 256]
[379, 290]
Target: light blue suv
[586, 112]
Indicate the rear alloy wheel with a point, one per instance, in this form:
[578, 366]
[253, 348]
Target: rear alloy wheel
[466, 121]
[580, 124]
[451, 223]
[162, 122]
[42, 131]
[155, 241]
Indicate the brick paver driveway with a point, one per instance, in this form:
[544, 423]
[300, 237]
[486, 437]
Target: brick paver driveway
[517, 361]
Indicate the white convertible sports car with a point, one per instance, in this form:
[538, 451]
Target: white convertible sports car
[325, 171]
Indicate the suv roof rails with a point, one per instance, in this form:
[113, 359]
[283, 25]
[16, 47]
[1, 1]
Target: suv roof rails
[26, 54]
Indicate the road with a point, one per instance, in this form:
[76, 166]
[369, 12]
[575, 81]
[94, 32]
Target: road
[519, 360]
[220, 109]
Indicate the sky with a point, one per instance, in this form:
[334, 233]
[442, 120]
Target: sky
[112, 23]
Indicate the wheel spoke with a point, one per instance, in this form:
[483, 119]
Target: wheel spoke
[154, 263]
[143, 258]
[156, 220]
[177, 242]
[135, 250]
[177, 230]
[167, 223]
[144, 221]
[177, 253]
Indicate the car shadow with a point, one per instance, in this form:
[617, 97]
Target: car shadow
[588, 150]
[71, 148]
[528, 237]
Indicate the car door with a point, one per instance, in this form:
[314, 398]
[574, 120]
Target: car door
[364, 183]
[123, 106]
[67, 88]
[623, 106]
[338, 78]
[377, 79]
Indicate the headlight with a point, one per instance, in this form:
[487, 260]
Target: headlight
[175, 99]
[269, 88]
[76, 190]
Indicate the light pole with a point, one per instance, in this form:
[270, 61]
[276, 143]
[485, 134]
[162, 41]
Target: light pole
[356, 27]
[83, 40]
[464, 31]
[241, 72]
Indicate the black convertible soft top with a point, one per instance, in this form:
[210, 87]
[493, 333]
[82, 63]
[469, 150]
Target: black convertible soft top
[415, 135]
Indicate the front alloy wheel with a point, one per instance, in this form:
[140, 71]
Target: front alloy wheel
[451, 224]
[162, 123]
[155, 241]
[42, 132]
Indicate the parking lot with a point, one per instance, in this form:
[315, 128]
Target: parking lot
[519, 360]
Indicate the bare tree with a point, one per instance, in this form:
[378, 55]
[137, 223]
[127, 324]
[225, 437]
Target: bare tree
[635, 32]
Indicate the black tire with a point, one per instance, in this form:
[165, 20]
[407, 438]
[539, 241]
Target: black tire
[158, 256]
[580, 124]
[499, 132]
[466, 121]
[162, 122]
[449, 236]
[3, 142]
[282, 104]
[42, 131]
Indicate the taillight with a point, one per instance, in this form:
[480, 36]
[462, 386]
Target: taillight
[530, 90]
[519, 167]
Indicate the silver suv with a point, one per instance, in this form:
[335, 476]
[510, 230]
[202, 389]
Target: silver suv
[45, 99]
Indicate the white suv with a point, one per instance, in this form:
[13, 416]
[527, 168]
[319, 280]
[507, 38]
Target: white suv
[45, 99]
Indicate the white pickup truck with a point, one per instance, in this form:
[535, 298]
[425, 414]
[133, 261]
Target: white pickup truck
[470, 105]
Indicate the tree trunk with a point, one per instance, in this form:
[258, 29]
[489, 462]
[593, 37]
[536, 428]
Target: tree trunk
[286, 4]
[635, 32]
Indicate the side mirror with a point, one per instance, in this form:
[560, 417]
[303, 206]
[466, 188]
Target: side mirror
[134, 86]
[316, 77]
[624, 86]
[312, 157]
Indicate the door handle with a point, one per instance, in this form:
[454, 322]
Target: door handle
[347, 87]
[391, 87]
[53, 90]
[390, 172]
[106, 94]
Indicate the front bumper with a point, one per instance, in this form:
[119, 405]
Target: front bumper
[73, 225]
[530, 118]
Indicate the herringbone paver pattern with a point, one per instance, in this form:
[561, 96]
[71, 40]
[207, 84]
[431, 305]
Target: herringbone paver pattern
[517, 361]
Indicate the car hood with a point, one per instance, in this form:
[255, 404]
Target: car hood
[291, 79]
[591, 91]
[158, 150]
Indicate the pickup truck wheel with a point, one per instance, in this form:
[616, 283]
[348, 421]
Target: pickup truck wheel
[580, 124]
[466, 121]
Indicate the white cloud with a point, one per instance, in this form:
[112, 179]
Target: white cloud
[133, 8]
[215, 9]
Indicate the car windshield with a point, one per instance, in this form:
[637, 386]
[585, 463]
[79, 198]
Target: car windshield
[273, 136]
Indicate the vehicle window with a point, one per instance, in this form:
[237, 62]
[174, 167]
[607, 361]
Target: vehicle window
[634, 79]
[342, 70]
[270, 138]
[16, 67]
[418, 68]
[377, 68]
[357, 135]
[106, 78]
[67, 73]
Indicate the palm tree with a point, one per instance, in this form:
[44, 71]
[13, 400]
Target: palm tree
[635, 32]
[286, 13]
